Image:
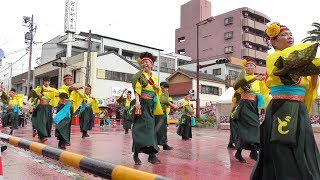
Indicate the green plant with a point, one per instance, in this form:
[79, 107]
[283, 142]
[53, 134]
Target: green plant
[205, 122]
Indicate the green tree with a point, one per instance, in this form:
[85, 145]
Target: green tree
[314, 35]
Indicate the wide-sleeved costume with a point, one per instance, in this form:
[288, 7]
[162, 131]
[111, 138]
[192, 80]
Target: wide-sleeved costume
[254, 95]
[89, 107]
[288, 147]
[126, 103]
[184, 128]
[143, 129]
[161, 120]
[14, 104]
[42, 114]
[69, 103]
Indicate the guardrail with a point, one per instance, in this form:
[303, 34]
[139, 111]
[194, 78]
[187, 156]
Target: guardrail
[94, 166]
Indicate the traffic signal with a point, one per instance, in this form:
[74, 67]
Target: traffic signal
[192, 94]
[222, 61]
[59, 64]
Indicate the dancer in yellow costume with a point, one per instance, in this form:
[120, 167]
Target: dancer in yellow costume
[161, 120]
[14, 102]
[288, 147]
[44, 99]
[126, 103]
[185, 128]
[254, 96]
[70, 101]
[147, 104]
[89, 108]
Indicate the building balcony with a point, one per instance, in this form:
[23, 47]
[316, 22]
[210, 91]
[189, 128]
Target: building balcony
[254, 24]
[248, 37]
[254, 39]
[254, 53]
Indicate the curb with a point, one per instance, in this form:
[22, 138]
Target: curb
[94, 166]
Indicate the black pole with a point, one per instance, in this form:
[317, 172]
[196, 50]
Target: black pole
[88, 70]
[198, 68]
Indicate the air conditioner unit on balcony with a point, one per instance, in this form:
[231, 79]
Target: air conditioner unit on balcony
[246, 14]
[260, 48]
[246, 29]
[248, 45]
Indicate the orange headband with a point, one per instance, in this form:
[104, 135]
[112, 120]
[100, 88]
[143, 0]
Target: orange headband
[147, 59]
[67, 77]
[251, 62]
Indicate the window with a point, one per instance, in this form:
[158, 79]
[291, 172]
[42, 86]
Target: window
[118, 76]
[209, 90]
[228, 21]
[101, 74]
[76, 75]
[216, 71]
[233, 74]
[181, 39]
[228, 49]
[108, 75]
[228, 35]
[167, 64]
[129, 77]
[207, 36]
[181, 51]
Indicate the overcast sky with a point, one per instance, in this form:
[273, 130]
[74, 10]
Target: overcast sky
[147, 22]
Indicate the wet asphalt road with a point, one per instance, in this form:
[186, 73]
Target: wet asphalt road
[203, 157]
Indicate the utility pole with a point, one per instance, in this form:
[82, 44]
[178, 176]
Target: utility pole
[27, 21]
[10, 84]
[203, 22]
[88, 70]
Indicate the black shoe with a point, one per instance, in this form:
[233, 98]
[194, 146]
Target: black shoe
[231, 146]
[3, 148]
[254, 155]
[85, 135]
[167, 147]
[11, 131]
[126, 131]
[136, 159]
[153, 159]
[61, 145]
[239, 157]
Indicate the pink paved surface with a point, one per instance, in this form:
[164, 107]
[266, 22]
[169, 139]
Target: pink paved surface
[203, 157]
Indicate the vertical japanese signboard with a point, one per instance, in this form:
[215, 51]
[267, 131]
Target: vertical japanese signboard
[70, 16]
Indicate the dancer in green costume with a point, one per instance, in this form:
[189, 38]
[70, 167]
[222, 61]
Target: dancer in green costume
[288, 147]
[147, 104]
[45, 98]
[254, 96]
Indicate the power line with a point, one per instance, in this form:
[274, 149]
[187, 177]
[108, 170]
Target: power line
[14, 62]
[14, 52]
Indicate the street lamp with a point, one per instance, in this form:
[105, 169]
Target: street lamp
[208, 20]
